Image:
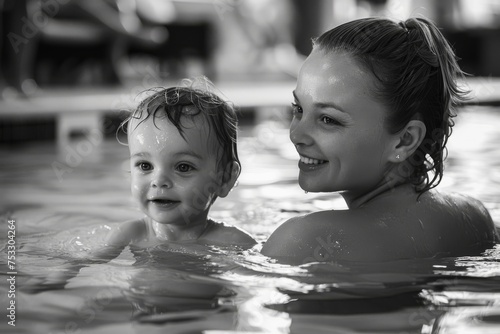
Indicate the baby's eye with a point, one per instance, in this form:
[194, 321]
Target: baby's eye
[184, 168]
[296, 109]
[329, 120]
[144, 166]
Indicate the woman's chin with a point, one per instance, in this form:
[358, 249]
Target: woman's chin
[308, 188]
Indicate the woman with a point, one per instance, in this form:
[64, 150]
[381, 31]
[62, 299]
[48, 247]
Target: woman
[372, 114]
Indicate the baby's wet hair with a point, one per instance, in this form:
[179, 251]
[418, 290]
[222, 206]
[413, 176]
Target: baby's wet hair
[417, 78]
[195, 98]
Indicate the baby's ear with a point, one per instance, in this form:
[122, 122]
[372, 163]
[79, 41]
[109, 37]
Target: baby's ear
[229, 179]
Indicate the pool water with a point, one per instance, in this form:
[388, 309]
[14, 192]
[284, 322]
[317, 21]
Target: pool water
[64, 201]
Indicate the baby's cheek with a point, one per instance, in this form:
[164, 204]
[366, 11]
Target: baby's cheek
[136, 189]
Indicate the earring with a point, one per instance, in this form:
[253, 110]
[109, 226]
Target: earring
[397, 156]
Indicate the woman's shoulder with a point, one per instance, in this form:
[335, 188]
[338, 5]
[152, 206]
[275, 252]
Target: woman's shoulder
[459, 206]
[323, 236]
[434, 224]
[461, 201]
[431, 206]
[463, 220]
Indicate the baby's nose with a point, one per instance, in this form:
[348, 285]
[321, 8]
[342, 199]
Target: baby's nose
[161, 180]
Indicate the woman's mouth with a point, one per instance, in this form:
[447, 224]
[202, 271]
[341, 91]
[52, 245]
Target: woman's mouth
[309, 164]
[311, 161]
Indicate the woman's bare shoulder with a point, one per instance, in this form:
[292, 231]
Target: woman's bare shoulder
[468, 209]
[466, 220]
[318, 236]
[459, 205]
[465, 202]
[443, 223]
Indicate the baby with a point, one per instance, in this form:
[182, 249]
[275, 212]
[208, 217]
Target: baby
[183, 155]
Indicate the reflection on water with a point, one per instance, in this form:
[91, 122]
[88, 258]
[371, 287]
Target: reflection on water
[64, 202]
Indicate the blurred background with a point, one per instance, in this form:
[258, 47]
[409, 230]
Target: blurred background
[71, 65]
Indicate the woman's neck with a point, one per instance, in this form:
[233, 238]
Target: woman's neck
[354, 200]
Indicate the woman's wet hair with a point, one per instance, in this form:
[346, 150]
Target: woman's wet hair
[189, 101]
[416, 72]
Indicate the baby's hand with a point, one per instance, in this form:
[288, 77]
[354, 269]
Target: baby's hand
[54, 280]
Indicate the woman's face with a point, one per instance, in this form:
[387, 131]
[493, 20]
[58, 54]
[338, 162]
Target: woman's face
[338, 126]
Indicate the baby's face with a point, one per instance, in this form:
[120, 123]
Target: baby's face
[174, 179]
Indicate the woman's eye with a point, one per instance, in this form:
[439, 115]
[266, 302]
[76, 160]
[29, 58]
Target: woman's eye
[329, 120]
[296, 109]
[184, 168]
[144, 166]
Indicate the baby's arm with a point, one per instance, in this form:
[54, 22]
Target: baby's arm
[116, 240]
[119, 238]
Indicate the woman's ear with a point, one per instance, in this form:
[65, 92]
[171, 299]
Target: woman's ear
[231, 174]
[408, 140]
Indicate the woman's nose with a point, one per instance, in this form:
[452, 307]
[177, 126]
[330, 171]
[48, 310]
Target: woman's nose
[300, 132]
[160, 180]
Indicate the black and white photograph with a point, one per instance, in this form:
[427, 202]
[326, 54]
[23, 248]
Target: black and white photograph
[250, 166]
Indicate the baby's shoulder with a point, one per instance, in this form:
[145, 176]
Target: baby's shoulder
[223, 233]
[126, 232]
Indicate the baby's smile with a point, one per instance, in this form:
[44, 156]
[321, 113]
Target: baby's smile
[163, 202]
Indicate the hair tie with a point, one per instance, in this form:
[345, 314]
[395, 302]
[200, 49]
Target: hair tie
[422, 42]
[403, 25]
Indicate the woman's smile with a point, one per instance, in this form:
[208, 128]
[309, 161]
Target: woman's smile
[311, 161]
[309, 164]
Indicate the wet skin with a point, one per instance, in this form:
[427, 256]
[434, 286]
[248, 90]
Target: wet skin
[344, 146]
[175, 179]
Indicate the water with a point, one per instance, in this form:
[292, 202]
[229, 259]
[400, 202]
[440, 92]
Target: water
[64, 201]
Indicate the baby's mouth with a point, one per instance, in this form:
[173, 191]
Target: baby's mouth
[163, 202]
[311, 161]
